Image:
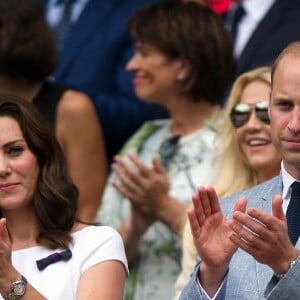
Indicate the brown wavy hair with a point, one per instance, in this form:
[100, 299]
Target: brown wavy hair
[56, 197]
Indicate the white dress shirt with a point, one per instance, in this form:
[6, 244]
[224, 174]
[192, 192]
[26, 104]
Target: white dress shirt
[255, 12]
[54, 11]
[287, 181]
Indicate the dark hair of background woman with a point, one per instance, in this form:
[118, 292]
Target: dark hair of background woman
[192, 32]
[27, 48]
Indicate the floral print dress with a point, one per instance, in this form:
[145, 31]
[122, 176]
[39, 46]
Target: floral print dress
[154, 274]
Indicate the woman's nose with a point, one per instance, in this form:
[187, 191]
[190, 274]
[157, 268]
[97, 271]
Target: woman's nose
[253, 121]
[132, 64]
[4, 167]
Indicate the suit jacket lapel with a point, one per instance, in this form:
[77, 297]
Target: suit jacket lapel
[273, 18]
[270, 190]
[95, 13]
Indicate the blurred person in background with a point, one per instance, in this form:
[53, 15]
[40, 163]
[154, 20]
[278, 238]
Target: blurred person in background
[219, 6]
[261, 30]
[183, 61]
[94, 46]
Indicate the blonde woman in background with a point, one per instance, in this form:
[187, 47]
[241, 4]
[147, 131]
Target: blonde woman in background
[245, 148]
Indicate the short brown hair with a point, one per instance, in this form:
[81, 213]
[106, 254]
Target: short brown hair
[192, 32]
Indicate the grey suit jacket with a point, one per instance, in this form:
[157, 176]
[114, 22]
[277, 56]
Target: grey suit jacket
[246, 278]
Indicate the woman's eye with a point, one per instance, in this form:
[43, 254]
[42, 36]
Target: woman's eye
[16, 150]
[143, 52]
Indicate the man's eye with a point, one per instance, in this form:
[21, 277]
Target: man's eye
[285, 105]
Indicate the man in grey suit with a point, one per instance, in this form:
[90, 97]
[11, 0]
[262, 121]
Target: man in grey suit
[243, 241]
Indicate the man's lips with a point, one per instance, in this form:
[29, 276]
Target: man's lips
[292, 142]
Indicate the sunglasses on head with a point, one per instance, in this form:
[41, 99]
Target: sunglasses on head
[240, 113]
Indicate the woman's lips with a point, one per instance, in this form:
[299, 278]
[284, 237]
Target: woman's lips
[7, 186]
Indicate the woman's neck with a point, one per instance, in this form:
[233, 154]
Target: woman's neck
[22, 228]
[188, 117]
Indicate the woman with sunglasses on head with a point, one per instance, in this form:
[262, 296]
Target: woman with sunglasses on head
[183, 61]
[245, 154]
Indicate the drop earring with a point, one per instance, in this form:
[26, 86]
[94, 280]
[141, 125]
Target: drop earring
[180, 76]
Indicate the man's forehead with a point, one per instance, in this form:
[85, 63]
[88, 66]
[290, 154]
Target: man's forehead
[287, 67]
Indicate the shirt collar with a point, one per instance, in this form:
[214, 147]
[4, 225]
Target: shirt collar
[257, 8]
[287, 181]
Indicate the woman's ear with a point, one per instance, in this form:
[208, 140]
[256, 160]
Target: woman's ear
[183, 69]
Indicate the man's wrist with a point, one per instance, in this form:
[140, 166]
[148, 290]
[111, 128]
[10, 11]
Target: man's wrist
[211, 279]
[291, 264]
[211, 274]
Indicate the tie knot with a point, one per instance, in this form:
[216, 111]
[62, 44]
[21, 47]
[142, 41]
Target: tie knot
[239, 12]
[53, 258]
[236, 17]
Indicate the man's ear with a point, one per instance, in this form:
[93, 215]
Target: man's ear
[270, 99]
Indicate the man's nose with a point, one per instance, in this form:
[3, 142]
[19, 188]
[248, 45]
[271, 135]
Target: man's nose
[294, 122]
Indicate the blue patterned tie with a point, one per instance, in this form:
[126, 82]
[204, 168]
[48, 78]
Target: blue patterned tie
[53, 258]
[293, 213]
[62, 27]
